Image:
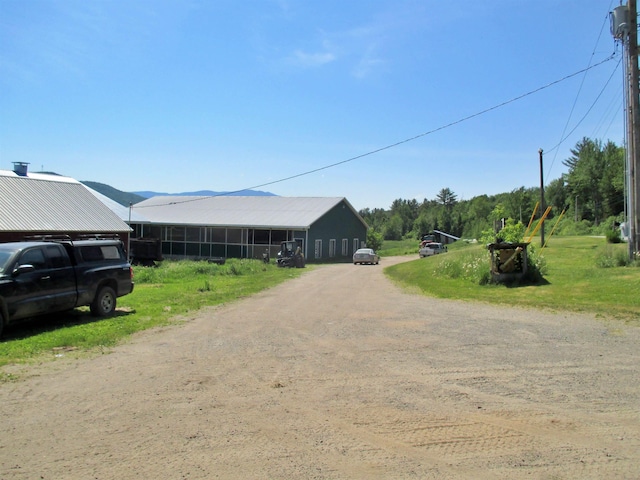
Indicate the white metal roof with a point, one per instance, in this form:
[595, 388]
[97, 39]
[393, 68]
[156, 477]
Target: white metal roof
[51, 203]
[237, 211]
[126, 214]
[448, 235]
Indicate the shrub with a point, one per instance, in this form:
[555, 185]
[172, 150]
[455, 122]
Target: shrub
[536, 265]
[609, 257]
[570, 228]
[471, 265]
[613, 235]
[374, 239]
[512, 232]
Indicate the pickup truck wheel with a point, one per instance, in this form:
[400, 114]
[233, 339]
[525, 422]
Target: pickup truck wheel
[105, 302]
[1, 324]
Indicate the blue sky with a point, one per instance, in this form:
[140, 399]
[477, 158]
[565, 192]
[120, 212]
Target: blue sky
[223, 95]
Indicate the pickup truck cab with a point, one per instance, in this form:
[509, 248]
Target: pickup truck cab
[39, 277]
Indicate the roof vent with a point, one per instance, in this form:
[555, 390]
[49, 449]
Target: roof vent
[20, 168]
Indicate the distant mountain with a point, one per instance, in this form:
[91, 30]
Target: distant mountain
[126, 198]
[123, 198]
[205, 193]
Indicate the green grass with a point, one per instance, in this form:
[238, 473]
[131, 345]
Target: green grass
[574, 278]
[393, 248]
[161, 295]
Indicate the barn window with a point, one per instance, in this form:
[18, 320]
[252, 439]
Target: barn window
[234, 235]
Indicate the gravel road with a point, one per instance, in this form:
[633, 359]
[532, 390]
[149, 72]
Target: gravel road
[338, 374]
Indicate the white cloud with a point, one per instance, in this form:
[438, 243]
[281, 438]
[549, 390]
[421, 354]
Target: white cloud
[367, 64]
[312, 59]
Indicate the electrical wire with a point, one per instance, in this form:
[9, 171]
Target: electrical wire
[575, 101]
[588, 110]
[613, 117]
[611, 112]
[396, 144]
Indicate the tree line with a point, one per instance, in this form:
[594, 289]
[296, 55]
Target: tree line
[591, 195]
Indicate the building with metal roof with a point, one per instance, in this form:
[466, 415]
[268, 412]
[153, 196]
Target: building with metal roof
[36, 204]
[126, 214]
[444, 237]
[326, 228]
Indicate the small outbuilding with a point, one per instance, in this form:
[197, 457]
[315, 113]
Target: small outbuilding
[445, 238]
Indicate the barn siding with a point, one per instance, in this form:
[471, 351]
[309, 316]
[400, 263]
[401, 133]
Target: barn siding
[338, 223]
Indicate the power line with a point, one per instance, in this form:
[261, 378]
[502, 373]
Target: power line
[610, 113]
[613, 117]
[588, 110]
[575, 101]
[401, 142]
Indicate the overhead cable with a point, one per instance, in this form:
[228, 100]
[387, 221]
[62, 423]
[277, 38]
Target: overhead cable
[588, 110]
[575, 101]
[401, 142]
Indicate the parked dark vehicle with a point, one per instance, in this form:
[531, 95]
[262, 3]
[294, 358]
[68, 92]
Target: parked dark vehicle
[38, 277]
[145, 251]
[290, 255]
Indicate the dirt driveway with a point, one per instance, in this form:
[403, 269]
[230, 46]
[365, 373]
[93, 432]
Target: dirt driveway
[338, 374]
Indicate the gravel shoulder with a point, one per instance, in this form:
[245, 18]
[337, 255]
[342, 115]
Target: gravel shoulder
[338, 374]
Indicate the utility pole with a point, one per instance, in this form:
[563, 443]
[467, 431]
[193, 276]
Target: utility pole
[624, 27]
[543, 208]
[634, 141]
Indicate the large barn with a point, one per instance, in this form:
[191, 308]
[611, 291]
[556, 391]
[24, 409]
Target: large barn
[36, 204]
[326, 228]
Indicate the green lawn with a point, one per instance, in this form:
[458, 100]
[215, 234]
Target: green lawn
[573, 281]
[392, 248]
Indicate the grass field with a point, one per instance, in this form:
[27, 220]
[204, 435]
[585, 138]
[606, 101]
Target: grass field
[579, 276]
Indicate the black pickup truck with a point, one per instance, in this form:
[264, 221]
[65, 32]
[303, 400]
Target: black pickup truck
[39, 277]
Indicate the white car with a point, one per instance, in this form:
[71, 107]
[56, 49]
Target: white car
[366, 255]
[432, 248]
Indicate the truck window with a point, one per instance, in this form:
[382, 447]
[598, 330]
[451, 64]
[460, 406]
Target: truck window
[96, 253]
[91, 253]
[4, 258]
[56, 256]
[110, 252]
[34, 257]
